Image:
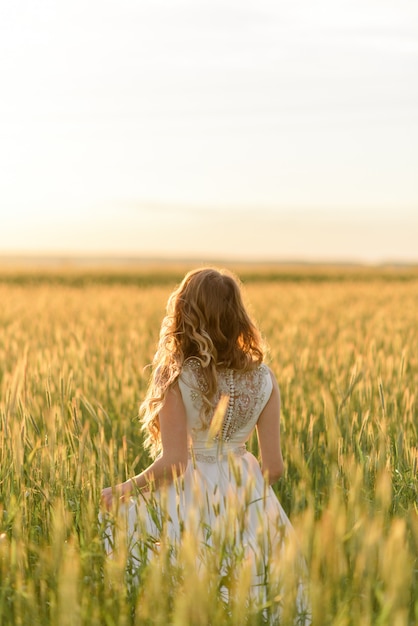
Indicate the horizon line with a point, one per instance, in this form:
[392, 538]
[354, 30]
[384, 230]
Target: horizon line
[93, 259]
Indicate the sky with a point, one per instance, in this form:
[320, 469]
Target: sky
[244, 129]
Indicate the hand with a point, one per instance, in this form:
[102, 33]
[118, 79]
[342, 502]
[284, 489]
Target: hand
[107, 498]
[121, 491]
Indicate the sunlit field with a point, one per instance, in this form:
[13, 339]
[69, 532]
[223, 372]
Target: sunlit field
[73, 357]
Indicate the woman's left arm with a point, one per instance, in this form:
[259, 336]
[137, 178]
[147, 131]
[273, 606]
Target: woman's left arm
[173, 460]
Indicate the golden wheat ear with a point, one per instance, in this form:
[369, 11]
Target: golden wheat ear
[217, 420]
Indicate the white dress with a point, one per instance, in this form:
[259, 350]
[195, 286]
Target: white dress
[222, 497]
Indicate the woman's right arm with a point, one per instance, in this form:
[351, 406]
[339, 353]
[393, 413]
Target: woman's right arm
[268, 433]
[174, 457]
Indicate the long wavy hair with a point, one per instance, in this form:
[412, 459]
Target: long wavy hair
[206, 319]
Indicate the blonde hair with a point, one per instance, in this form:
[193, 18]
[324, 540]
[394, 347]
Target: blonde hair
[205, 318]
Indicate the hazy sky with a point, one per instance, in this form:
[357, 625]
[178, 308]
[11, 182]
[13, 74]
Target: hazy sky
[265, 129]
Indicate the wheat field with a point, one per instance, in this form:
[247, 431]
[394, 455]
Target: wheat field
[73, 357]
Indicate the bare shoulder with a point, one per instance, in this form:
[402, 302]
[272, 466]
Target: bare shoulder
[273, 379]
[173, 396]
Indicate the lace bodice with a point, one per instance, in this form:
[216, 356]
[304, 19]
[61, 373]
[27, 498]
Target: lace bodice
[247, 392]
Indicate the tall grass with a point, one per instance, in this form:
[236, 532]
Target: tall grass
[72, 375]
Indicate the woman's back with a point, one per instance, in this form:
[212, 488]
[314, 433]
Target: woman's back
[247, 391]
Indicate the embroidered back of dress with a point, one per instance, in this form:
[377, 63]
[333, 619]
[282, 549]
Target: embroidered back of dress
[247, 392]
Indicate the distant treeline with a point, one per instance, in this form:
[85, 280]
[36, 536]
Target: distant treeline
[147, 277]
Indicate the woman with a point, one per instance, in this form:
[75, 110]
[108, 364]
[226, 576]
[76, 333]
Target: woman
[209, 390]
